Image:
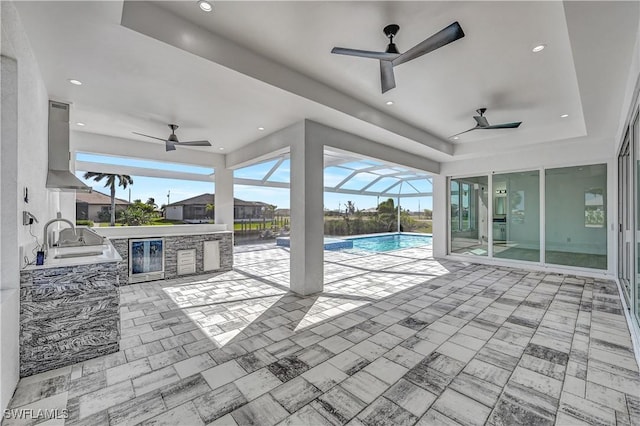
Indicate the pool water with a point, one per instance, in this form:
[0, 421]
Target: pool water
[390, 242]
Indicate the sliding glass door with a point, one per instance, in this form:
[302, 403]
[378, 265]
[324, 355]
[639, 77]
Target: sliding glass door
[516, 216]
[625, 216]
[635, 135]
[574, 216]
[576, 219]
[629, 217]
[469, 216]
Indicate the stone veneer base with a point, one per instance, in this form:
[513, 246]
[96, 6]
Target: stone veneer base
[173, 243]
[68, 315]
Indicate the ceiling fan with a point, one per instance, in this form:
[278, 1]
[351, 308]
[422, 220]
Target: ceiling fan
[483, 124]
[172, 140]
[392, 57]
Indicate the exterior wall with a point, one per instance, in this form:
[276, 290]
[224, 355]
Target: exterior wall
[179, 242]
[23, 164]
[173, 213]
[68, 315]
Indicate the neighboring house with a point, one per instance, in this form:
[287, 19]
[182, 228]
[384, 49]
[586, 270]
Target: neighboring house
[90, 204]
[194, 209]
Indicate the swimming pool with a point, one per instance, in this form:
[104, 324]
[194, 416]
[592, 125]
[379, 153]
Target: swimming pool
[390, 242]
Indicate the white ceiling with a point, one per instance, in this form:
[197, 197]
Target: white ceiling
[135, 83]
[492, 66]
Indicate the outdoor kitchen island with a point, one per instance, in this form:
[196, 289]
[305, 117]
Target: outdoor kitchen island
[163, 252]
[69, 308]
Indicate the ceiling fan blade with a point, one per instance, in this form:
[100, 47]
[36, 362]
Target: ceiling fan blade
[514, 125]
[482, 121]
[449, 34]
[364, 53]
[386, 76]
[194, 143]
[147, 136]
[170, 146]
[458, 134]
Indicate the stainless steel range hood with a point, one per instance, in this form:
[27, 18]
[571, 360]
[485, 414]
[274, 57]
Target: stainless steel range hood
[59, 176]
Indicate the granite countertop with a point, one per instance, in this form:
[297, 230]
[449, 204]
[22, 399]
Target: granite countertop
[108, 254]
[161, 231]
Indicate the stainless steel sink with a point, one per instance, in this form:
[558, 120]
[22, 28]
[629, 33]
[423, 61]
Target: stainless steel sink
[77, 254]
[82, 237]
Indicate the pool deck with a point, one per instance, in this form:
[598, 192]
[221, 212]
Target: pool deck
[394, 338]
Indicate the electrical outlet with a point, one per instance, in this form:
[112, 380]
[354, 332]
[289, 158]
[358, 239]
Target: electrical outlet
[28, 218]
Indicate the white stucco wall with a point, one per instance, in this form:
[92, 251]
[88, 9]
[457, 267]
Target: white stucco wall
[173, 213]
[27, 169]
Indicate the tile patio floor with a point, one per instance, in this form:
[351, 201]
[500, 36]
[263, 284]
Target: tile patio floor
[396, 338]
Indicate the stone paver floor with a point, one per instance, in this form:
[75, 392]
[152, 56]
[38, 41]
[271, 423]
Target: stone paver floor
[396, 338]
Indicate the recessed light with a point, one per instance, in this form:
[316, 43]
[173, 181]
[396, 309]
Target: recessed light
[539, 48]
[205, 5]
[221, 149]
[76, 82]
[456, 138]
[261, 128]
[564, 115]
[389, 103]
[80, 124]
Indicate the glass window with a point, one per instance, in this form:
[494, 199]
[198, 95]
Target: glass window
[594, 208]
[575, 212]
[469, 216]
[516, 216]
[455, 204]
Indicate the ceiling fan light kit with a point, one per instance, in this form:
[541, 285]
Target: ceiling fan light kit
[172, 141]
[392, 57]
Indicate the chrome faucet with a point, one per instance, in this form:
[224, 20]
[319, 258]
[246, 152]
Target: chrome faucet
[45, 238]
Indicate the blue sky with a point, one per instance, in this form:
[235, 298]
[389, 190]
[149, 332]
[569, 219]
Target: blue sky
[157, 188]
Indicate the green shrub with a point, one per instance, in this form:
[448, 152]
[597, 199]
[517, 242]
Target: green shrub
[135, 215]
[104, 216]
[84, 222]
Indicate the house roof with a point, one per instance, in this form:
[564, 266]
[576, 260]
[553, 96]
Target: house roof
[204, 199]
[97, 198]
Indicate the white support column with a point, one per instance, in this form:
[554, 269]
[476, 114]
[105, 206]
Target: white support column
[307, 216]
[9, 244]
[224, 197]
[440, 216]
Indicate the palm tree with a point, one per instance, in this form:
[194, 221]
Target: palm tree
[210, 208]
[387, 213]
[350, 208]
[123, 181]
